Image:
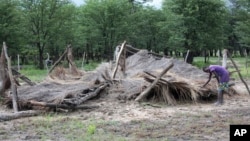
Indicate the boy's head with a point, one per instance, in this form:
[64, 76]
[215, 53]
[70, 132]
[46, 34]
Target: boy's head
[205, 69]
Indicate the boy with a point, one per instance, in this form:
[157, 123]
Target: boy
[222, 76]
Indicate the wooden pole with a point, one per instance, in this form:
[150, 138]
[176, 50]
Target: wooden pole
[218, 55]
[146, 91]
[7, 117]
[18, 63]
[238, 71]
[63, 106]
[187, 56]
[246, 63]
[72, 65]
[83, 60]
[224, 59]
[13, 84]
[23, 77]
[58, 61]
[3, 74]
[118, 59]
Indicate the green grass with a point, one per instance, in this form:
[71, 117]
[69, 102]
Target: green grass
[38, 75]
[90, 66]
[33, 73]
[72, 129]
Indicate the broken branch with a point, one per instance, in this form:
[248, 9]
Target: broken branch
[118, 59]
[146, 91]
[13, 84]
[6, 117]
[238, 71]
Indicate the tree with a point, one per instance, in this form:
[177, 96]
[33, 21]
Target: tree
[202, 22]
[46, 21]
[242, 22]
[104, 28]
[11, 25]
[144, 28]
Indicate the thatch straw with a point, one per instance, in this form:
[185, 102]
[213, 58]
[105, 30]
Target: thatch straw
[182, 83]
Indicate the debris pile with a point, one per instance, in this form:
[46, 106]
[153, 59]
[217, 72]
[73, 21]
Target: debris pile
[143, 76]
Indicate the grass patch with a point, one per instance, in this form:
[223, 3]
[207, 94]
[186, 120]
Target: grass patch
[90, 66]
[38, 75]
[33, 73]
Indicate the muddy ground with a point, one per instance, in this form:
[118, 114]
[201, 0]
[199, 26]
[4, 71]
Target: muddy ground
[120, 120]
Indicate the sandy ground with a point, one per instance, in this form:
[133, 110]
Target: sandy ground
[140, 121]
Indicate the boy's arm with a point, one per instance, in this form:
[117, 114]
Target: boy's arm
[210, 76]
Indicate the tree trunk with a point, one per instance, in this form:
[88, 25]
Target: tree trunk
[72, 65]
[224, 60]
[3, 75]
[188, 58]
[41, 64]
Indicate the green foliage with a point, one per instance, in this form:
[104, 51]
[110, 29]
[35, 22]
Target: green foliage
[103, 29]
[33, 28]
[200, 23]
[49, 22]
[91, 129]
[11, 26]
[242, 21]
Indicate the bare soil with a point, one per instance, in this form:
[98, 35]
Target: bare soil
[128, 120]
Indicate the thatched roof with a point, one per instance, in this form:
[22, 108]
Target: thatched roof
[182, 83]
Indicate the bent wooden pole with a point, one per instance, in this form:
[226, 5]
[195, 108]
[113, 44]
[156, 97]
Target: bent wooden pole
[58, 61]
[23, 77]
[118, 59]
[146, 91]
[238, 71]
[63, 106]
[11, 116]
[13, 84]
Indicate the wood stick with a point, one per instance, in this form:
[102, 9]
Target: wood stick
[18, 63]
[135, 50]
[13, 84]
[23, 77]
[118, 59]
[90, 95]
[83, 60]
[72, 66]
[224, 59]
[238, 71]
[3, 73]
[85, 97]
[64, 106]
[132, 48]
[146, 91]
[187, 55]
[59, 60]
[165, 81]
[11, 116]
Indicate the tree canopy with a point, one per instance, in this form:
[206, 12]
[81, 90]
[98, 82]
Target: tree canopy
[33, 28]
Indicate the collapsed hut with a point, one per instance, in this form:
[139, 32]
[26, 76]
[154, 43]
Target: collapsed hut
[142, 76]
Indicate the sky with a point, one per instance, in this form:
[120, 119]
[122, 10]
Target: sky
[155, 3]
